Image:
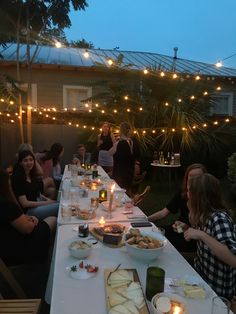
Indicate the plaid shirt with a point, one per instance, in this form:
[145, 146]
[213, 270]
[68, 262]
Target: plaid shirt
[221, 277]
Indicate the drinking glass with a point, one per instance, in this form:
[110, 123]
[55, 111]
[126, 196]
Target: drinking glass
[220, 305]
[155, 281]
[66, 211]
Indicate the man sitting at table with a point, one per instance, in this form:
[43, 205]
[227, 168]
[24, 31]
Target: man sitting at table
[81, 156]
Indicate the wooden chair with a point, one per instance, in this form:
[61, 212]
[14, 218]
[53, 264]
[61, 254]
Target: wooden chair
[21, 305]
[138, 198]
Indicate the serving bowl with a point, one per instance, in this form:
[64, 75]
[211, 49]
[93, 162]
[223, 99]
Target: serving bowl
[148, 252]
[80, 249]
[176, 302]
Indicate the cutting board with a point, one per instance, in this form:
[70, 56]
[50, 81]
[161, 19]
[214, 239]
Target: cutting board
[110, 290]
[100, 238]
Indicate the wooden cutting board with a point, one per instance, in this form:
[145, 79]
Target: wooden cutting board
[100, 238]
[110, 290]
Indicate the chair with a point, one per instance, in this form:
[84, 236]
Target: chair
[138, 198]
[21, 305]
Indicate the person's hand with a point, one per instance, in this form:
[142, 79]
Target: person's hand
[193, 234]
[33, 219]
[76, 161]
[179, 226]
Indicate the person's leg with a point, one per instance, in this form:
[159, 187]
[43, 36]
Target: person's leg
[49, 188]
[42, 212]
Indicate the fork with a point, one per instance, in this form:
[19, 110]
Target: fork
[117, 267]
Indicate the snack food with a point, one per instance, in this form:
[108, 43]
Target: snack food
[111, 228]
[195, 292]
[134, 237]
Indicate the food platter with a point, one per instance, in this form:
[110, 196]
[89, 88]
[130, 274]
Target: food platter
[83, 269]
[110, 234]
[124, 292]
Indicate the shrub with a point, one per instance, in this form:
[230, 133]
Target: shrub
[232, 168]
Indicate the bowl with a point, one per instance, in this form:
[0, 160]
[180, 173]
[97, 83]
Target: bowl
[80, 249]
[146, 254]
[175, 302]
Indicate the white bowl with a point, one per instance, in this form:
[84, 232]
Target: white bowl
[147, 254]
[173, 298]
[77, 251]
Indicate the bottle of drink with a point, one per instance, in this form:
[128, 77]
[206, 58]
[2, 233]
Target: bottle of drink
[168, 159]
[161, 158]
[172, 161]
[95, 171]
[155, 157]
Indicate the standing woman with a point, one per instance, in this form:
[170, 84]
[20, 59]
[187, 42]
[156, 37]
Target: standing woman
[23, 238]
[215, 233]
[105, 141]
[124, 154]
[28, 188]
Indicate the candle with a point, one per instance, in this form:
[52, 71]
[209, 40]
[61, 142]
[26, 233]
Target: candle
[94, 186]
[102, 195]
[177, 310]
[111, 198]
[102, 222]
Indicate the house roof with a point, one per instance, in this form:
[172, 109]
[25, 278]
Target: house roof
[74, 57]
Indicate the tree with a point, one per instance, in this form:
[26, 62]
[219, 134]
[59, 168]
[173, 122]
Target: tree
[81, 44]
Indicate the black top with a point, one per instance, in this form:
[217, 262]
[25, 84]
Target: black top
[21, 187]
[179, 203]
[106, 142]
[16, 247]
[123, 168]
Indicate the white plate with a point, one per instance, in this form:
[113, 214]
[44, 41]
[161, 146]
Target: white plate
[80, 273]
[177, 284]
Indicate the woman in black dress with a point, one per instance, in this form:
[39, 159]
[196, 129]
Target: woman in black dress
[23, 238]
[124, 155]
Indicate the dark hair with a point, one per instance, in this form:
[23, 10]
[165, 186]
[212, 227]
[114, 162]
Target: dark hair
[186, 174]
[205, 198]
[5, 187]
[53, 153]
[19, 168]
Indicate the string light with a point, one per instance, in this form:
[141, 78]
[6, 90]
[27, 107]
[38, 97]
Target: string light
[86, 54]
[58, 44]
[126, 97]
[162, 74]
[174, 76]
[218, 64]
[110, 61]
[145, 71]
[197, 78]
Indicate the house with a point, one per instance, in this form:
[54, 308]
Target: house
[63, 77]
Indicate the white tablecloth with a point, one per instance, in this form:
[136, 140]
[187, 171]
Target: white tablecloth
[88, 296]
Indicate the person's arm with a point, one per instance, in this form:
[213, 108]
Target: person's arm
[159, 215]
[113, 138]
[99, 140]
[220, 250]
[112, 150]
[25, 224]
[25, 203]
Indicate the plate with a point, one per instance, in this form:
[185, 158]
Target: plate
[177, 285]
[80, 273]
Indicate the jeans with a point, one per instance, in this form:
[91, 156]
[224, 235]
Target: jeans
[44, 211]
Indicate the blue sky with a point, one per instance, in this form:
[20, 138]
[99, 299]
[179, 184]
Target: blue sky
[203, 30]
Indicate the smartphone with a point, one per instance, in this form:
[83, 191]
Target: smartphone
[141, 224]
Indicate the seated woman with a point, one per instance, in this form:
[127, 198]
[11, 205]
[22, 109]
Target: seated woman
[214, 231]
[179, 203]
[23, 238]
[50, 162]
[81, 156]
[28, 188]
[49, 188]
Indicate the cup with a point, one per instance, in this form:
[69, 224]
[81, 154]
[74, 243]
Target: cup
[74, 170]
[66, 212]
[220, 305]
[155, 281]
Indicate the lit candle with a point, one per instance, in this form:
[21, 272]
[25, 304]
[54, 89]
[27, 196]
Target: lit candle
[102, 195]
[177, 310]
[111, 198]
[102, 222]
[94, 186]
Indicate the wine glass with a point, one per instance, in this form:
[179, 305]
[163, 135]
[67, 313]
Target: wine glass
[220, 305]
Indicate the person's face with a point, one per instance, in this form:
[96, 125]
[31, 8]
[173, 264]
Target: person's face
[105, 128]
[81, 151]
[28, 163]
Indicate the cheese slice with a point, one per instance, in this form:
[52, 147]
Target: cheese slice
[116, 299]
[131, 307]
[194, 292]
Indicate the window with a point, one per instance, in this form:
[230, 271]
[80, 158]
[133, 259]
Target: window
[222, 104]
[74, 95]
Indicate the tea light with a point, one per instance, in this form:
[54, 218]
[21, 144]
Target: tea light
[102, 195]
[177, 310]
[102, 222]
[83, 165]
[88, 166]
[99, 181]
[94, 186]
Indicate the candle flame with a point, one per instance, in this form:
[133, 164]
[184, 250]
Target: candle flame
[177, 310]
[113, 188]
[102, 221]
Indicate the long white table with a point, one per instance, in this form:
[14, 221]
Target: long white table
[88, 296]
